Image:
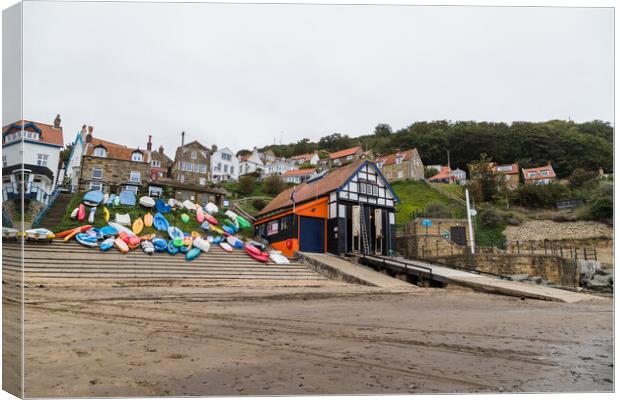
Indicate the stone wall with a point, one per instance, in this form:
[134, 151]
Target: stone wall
[115, 172]
[550, 268]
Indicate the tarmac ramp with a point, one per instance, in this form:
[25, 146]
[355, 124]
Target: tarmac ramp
[337, 268]
[487, 283]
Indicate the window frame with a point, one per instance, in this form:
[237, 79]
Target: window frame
[131, 176]
[92, 175]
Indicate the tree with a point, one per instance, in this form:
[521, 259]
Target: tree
[303, 146]
[335, 142]
[244, 152]
[428, 172]
[247, 184]
[383, 130]
[580, 177]
[273, 185]
[65, 154]
[488, 183]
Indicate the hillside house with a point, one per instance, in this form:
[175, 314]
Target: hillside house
[278, 167]
[35, 171]
[308, 158]
[250, 163]
[446, 175]
[298, 176]
[161, 164]
[224, 165]
[191, 164]
[539, 175]
[510, 173]
[401, 165]
[344, 156]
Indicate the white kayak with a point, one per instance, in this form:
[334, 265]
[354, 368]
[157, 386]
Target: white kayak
[147, 201]
[74, 213]
[174, 203]
[121, 228]
[201, 244]
[122, 219]
[189, 205]
[211, 208]
[278, 258]
[231, 214]
[39, 234]
[226, 247]
[9, 233]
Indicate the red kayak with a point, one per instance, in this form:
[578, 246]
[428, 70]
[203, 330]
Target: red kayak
[81, 212]
[210, 219]
[256, 253]
[80, 229]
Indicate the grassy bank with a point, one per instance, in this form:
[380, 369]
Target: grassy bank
[416, 196]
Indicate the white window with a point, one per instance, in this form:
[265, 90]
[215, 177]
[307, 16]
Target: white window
[155, 191]
[544, 173]
[225, 168]
[134, 176]
[96, 186]
[156, 163]
[4, 163]
[97, 173]
[504, 168]
[203, 168]
[399, 174]
[100, 152]
[129, 188]
[399, 160]
[203, 181]
[182, 178]
[349, 157]
[136, 156]
[195, 167]
[194, 155]
[232, 170]
[219, 167]
[42, 159]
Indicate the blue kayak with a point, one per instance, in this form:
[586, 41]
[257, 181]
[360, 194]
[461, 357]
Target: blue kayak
[160, 222]
[162, 207]
[205, 226]
[217, 240]
[107, 244]
[160, 244]
[111, 199]
[93, 198]
[228, 229]
[127, 198]
[192, 253]
[108, 231]
[172, 249]
[86, 240]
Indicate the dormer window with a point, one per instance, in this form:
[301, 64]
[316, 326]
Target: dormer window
[136, 156]
[100, 152]
[399, 160]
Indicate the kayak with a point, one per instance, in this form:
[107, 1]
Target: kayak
[217, 240]
[148, 219]
[234, 242]
[147, 201]
[111, 200]
[175, 203]
[210, 219]
[105, 199]
[81, 212]
[122, 219]
[211, 208]
[93, 198]
[133, 242]
[189, 205]
[71, 235]
[258, 245]
[9, 233]
[229, 229]
[147, 247]
[192, 254]
[39, 234]
[160, 244]
[160, 222]
[121, 245]
[200, 215]
[175, 233]
[108, 231]
[201, 244]
[256, 253]
[231, 214]
[95, 233]
[228, 248]
[148, 236]
[186, 244]
[217, 229]
[107, 244]
[195, 234]
[106, 214]
[120, 228]
[137, 226]
[91, 215]
[67, 232]
[161, 206]
[232, 224]
[172, 249]
[74, 213]
[127, 198]
[278, 258]
[185, 218]
[86, 240]
[244, 223]
[205, 225]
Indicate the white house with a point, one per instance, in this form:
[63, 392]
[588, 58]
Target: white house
[308, 158]
[251, 162]
[298, 176]
[37, 176]
[278, 167]
[224, 165]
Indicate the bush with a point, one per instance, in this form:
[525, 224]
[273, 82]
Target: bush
[273, 185]
[491, 218]
[602, 204]
[539, 196]
[259, 204]
[580, 177]
[563, 218]
[247, 184]
[437, 210]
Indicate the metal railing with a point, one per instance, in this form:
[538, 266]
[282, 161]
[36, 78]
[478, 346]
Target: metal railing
[50, 203]
[402, 266]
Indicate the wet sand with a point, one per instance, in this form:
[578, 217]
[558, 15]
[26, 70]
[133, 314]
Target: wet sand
[323, 337]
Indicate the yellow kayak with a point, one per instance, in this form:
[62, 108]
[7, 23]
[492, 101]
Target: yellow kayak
[137, 226]
[217, 229]
[148, 220]
[106, 214]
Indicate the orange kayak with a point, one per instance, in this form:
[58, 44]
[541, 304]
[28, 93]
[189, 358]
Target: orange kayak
[80, 229]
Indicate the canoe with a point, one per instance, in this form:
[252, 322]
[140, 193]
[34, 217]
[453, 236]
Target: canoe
[256, 253]
[67, 232]
[211, 208]
[160, 222]
[201, 244]
[185, 218]
[137, 226]
[81, 212]
[278, 258]
[105, 199]
[121, 245]
[122, 219]
[127, 198]
[200, 215]
[93, 198]
[234, 242]
[172, 249]
[192, 254]
[106, 214]
[108, 231]
[39, 234]
[110, 200]
[228, 248]
[107, 244]
[210, 219]
[175, 233]
[86, 240]
[91, 215]
[120, 228]
[74, 213]
[148, 247]
[244, 223]
[189, 205]
[161, 206]
[160, 244]
[148, 219]
[147, 201]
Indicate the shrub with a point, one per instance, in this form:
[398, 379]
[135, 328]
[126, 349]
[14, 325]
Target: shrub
[491, 218]
[259, 204]
[602, 203]
[563, 218]
[580, 177]
[247, 184]
[273, 185]
[545, 196]
[437, 210]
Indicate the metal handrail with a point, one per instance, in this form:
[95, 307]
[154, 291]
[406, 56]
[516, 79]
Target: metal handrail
[475, 271]
[52, 199]
[403, 264]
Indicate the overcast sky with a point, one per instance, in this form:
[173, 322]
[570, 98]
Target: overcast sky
[243, 75]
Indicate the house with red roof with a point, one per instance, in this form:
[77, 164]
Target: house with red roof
[35, 171]
[539, 175]
[401, 165]
[298, 176]
[448, 175]
[345, 156]
[307, 158]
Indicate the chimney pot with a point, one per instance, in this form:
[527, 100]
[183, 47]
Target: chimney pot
[161, 149]
[57, 121]
[149, 145]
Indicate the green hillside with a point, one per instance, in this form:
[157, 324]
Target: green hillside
[416, 196]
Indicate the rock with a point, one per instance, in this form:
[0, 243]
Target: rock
[518, 277]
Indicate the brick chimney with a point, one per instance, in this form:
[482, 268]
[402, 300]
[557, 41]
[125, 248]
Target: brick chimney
[149, 145]
[161, 149]
[57, 122]
[89, 135]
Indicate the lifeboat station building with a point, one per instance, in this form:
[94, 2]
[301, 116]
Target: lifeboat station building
[350, 209]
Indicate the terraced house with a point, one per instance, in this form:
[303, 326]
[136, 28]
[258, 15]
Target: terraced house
[191, 164]
[401, 165]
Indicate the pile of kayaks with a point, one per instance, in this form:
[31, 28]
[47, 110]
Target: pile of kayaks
[124, 234]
